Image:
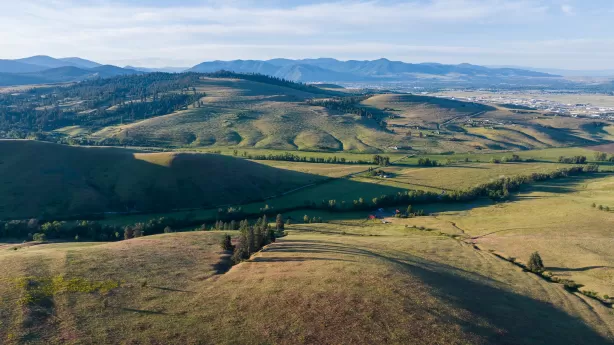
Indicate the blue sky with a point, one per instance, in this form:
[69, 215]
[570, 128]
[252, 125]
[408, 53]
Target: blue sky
[569, 34]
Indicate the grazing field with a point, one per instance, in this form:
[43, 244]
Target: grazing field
[42, 179]
[557, 219]
[462, 175]
[397, 286]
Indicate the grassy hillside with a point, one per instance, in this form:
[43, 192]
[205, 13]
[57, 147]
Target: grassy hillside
[433, 124]
[250, 114]
[558, 220]
[42, 179]
[398, 285]
[231, 110]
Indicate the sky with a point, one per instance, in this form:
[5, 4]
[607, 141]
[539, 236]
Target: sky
[568, 34]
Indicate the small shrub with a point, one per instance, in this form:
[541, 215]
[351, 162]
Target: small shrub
[535, 263]
[39, 237]
[226, 243]
[168, 230]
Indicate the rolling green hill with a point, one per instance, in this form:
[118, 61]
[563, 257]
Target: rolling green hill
[225, 109]
[245, 113]
[42, 179]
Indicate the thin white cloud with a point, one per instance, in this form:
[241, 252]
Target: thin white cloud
[173, 34]
[568, 10]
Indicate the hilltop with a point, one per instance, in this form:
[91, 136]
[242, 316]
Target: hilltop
[329, 283]
[50, 180]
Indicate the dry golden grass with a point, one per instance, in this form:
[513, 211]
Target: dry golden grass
[322, 284]
[557, 220]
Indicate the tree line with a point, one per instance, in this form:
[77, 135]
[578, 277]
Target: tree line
[498, 190]
[573, 160]
[289, 157]
[261, 78]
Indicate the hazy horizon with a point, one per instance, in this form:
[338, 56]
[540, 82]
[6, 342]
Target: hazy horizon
[557, 34]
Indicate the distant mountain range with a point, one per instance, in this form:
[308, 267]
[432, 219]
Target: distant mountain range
[45, 69]
[332, 70]
[566, 72]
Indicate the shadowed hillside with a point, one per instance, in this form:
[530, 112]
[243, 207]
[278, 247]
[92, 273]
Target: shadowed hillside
[42, 179]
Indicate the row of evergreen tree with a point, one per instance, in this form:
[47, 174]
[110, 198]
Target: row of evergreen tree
[573, 160]
[289, 157]
[261, 78]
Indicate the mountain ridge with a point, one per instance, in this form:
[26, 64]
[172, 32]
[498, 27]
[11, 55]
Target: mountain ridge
[330, 70]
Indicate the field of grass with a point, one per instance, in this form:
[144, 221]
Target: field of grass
[42, 179]
[348, 282]
[556, 219]
[461, 176]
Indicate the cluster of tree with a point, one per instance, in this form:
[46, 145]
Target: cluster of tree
[426, 162]
[27, 229]
[261, 78]
[573, 160]
[221, 225]
[410, 213]
[376, 173]
[253, 237]
[601, 207]
[98, 101]
[602, 157]
[311, 220]
[382, 161]
[349, 105]
[289, 157]
[162, 105]
[87, 229]
[513, 158]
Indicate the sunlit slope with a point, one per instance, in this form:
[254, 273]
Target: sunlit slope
[253, 114]
[396, 286]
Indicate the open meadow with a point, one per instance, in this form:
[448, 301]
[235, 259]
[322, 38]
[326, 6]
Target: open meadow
[347, 282]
